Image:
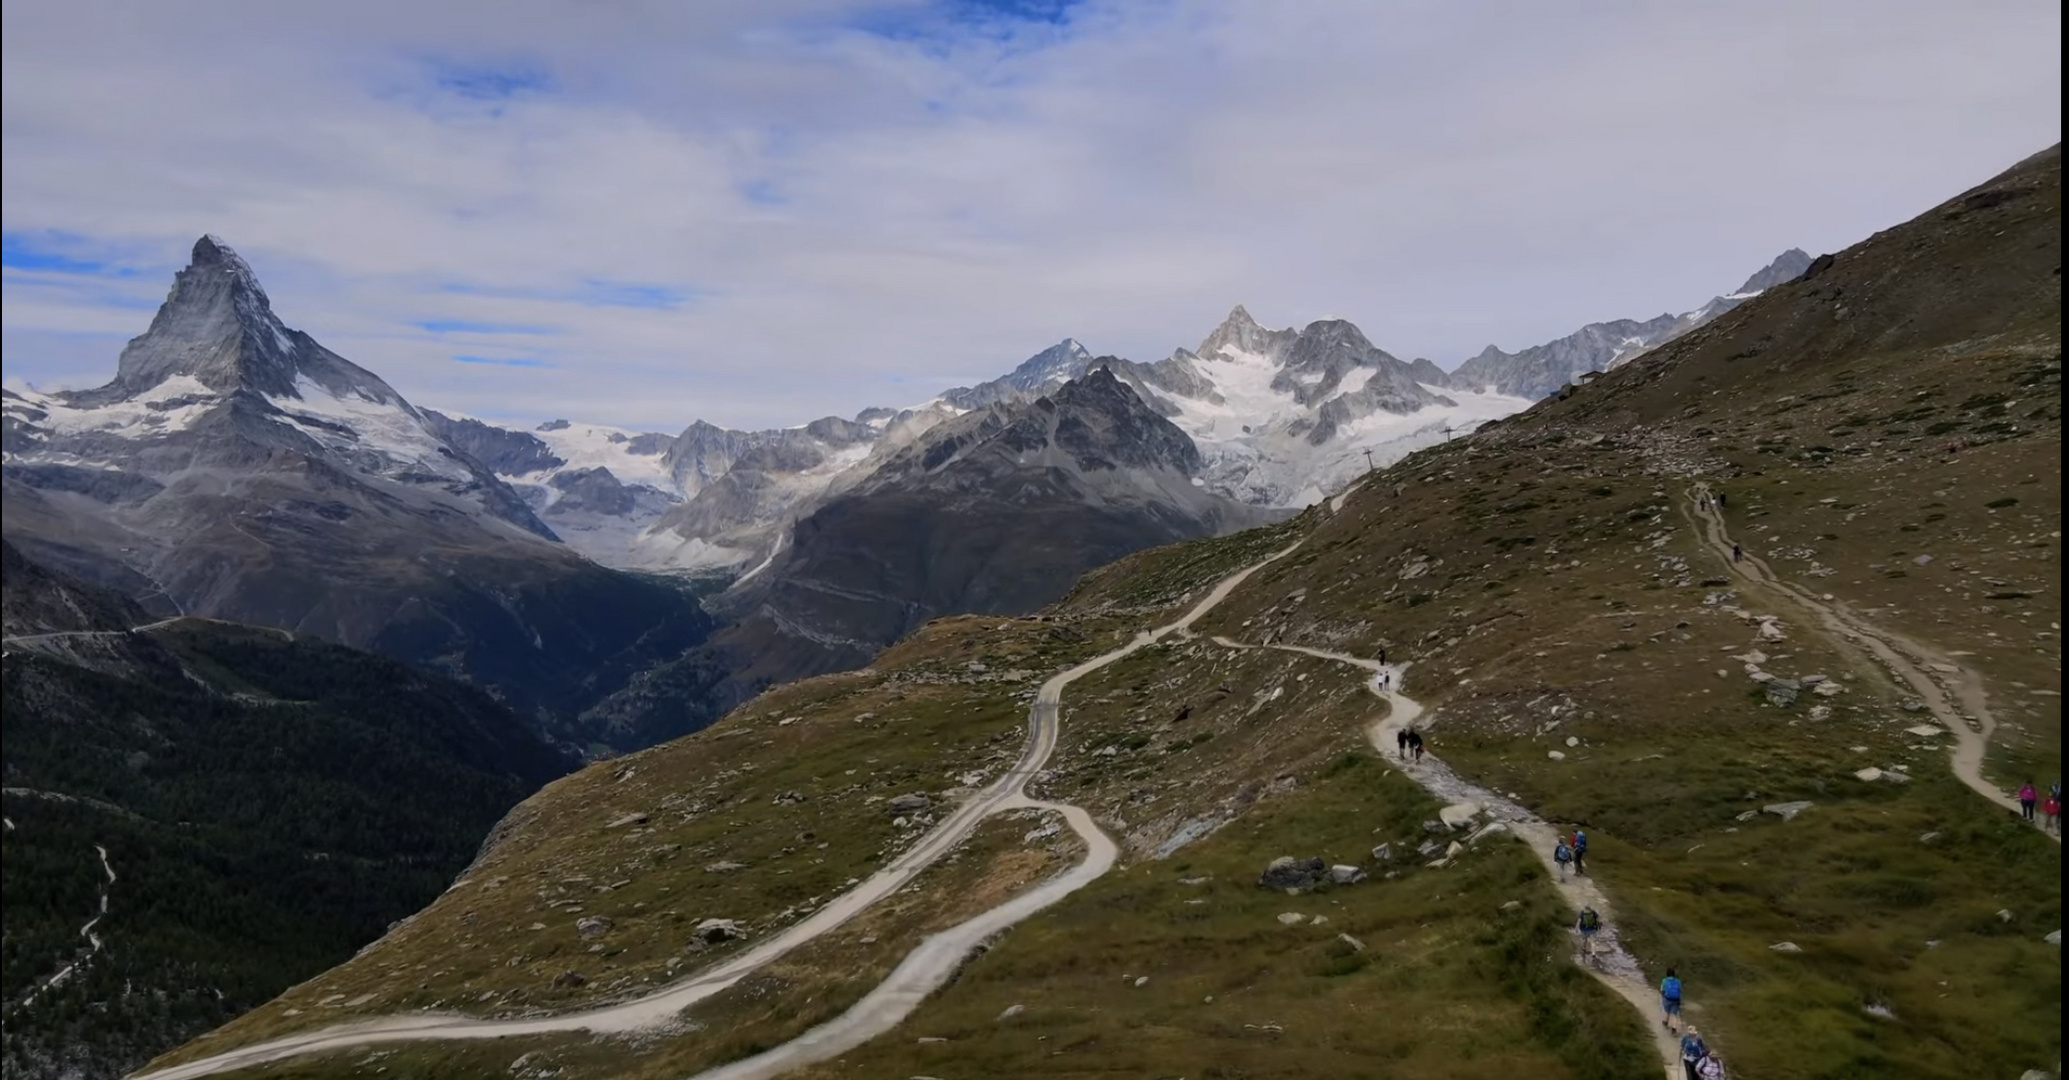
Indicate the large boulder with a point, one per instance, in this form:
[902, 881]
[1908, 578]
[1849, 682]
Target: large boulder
[1287, 872]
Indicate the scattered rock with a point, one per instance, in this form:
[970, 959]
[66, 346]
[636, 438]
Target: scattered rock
[723, 866]
[637, 817]
[1346, 875]
[717, 930]
[1512, 905]
[1879, 1012]
[1292, 918]
[789, 798]
[1820, 712]
[1928, 837]
[1455, 850]
[1556, 755]
[1787, 811]
[1383, 853]
[1785, 946]
[2054, 937]
[931, 1040]
[593, 926]
[569, 979]
[1433, 826]
[1870, 773]
[1010, 1012]
[2004, 915]
[1141, 981]
[1747, 816]
[1354, 943]
[1287, 872]
[1923, 560]
[911, 803]
[1781, 693]
[1492, 828]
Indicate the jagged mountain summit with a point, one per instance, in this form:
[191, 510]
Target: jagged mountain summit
[236, 468]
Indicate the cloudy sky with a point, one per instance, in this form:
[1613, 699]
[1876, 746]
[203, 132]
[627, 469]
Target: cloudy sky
[758, 213]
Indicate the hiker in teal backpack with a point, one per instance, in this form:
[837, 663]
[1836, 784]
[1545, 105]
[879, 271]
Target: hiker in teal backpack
[1589, 923]
[1562, 857]
[1670, 1000]
[1580, 852]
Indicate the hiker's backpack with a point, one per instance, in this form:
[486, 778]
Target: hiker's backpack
[1590, 921]
[1562, 853]
[1580, 842]
[1670, 988]
[1710, 1068]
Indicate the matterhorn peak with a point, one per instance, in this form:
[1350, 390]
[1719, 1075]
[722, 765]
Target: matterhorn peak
[211, 253]
[217, 327]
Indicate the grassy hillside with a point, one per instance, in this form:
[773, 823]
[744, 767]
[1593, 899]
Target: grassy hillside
[1562, 589]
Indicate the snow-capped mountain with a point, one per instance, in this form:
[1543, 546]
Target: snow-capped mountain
[235, 468]
[1280, 417]
[1284, 417]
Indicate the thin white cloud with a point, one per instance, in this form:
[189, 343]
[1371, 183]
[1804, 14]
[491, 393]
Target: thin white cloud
[757, 214]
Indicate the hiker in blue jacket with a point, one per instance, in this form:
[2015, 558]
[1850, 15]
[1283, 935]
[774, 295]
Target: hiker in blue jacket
[1670, 1000]
[1693, 1051]
[1580, 852]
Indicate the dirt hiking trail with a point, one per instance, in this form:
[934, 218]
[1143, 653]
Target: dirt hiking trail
[1952, 691]
[1612, 965]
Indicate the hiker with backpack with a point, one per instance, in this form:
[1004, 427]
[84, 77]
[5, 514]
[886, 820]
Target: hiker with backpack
[2051, 809]
[1580, 852]
[1693, 1051]
[1401, 742]
[1415, 744]
[2027, 796]
[1737, 552]
[1711, 1067]
[1670, 1000]
[1589, 923]
[1562, 857]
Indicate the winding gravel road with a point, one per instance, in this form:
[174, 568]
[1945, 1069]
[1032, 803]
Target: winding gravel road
[923, 970]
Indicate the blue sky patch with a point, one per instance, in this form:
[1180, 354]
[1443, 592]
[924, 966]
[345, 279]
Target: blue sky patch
[464, 326]
[490, 82]
[55, 253]
[940, 22]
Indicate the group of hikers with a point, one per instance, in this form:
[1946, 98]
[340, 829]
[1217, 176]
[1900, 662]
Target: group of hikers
[2050, 808]
[1409, 741]
[1697, 1059]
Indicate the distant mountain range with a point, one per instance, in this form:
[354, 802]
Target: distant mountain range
[236, 469]
[1280, 417]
